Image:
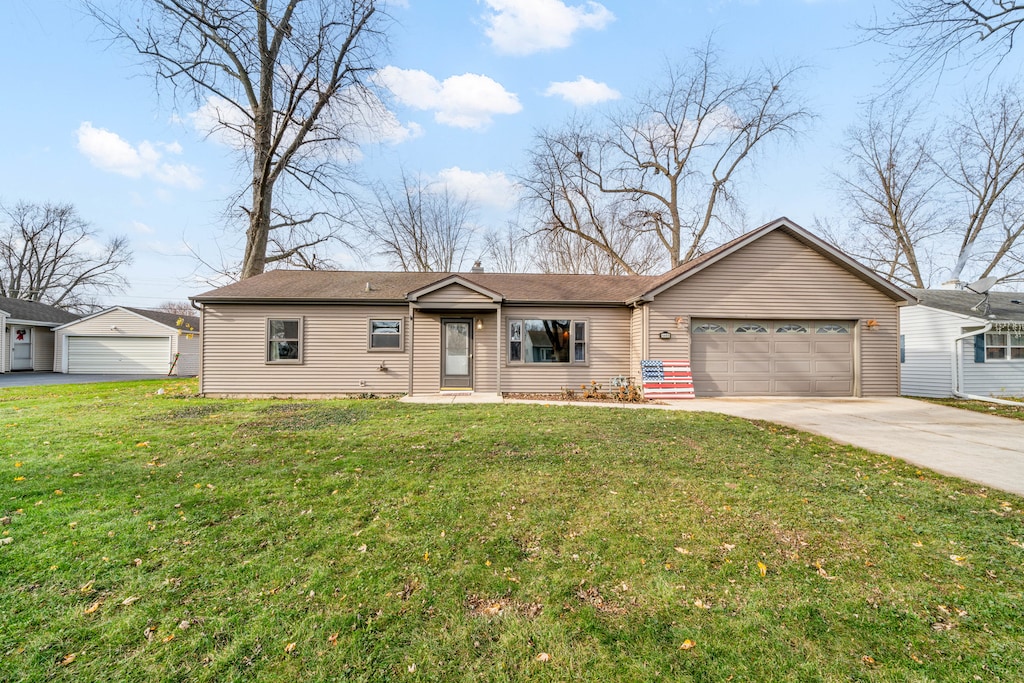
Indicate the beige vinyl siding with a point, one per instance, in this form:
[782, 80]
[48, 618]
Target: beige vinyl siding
[608, 344]
[636, 343]
[777, 277]
[42, 349]
[5, 348]
[335, 358]
[454, 294]
[427, 377]
[485, 354]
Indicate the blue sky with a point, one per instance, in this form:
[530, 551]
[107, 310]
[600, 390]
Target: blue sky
[471, 81]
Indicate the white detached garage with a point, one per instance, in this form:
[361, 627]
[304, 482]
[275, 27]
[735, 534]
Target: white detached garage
[129, 341]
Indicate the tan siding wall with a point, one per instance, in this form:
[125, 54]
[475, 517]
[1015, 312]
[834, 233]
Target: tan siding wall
[485, 354]
[42, 349]
[636, 343]
[607, 349]
[427, 361]
[5, 348]
[334, 351]
[778, 277]
[454, 294]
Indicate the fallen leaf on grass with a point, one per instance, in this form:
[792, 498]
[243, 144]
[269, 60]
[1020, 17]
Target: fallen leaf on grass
[333, 638]
[93, 607]
[142, 444]
[19, 479]
[168, 638]
[68, 658]
[682, 551]
[86, 588]
[958, 560]
[918, 544]
[543, 657]
[289, 648]
[17, 464]
[762, 567]
[867, 659]
[688, 645]
[129, 600]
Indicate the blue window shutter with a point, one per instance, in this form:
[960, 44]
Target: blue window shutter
[979, 348]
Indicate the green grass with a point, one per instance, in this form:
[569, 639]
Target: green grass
[1015, 412]
[413, 542]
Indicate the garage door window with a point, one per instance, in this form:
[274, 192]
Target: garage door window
[284, 340]
[709, 328]
[751, 328]
[833, 328]
[791, 328]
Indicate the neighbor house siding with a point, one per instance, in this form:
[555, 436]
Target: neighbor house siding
[637, 334]
[335, 357]
[42, 349]
[188, 358]
[777, 277]
[5, 349]
[993, 377]
[928, 333]
[128, 325]
[608, 351]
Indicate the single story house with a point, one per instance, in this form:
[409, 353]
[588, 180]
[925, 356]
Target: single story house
[26, 334]
[777, 311]
[957, 341]
[123, 340]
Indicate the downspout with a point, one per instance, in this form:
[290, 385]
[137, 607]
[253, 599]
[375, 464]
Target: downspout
[956, 371]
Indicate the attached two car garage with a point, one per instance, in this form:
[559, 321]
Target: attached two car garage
[772, 357]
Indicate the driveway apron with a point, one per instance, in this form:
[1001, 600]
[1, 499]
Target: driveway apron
[986, 449]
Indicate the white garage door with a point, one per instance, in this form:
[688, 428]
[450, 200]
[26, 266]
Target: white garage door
[772, 357]
[119, 355]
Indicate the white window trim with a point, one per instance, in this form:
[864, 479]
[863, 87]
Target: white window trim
[522, 341]
[299, 342]
[370, 348]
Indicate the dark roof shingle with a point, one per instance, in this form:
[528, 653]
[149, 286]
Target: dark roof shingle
[1001, 304]
[35, 312]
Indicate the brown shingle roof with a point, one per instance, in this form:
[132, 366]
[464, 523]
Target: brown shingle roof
[327, 285]
[169, 319]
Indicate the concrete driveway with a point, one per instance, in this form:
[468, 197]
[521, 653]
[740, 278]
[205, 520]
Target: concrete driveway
[982, 448]
[31, 379]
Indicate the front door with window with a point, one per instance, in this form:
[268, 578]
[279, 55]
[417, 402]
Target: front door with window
[21, 348]
[457, 353]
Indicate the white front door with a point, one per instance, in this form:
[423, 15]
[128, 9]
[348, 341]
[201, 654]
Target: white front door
[21, 347]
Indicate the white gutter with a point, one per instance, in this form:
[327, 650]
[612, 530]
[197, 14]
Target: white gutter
[957, 362]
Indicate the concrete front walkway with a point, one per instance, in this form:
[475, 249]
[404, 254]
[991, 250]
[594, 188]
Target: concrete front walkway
[982, 448]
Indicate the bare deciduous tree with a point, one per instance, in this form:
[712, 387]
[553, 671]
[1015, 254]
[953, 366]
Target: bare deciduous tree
[48, 253]
[926, 205]
[422, 227]
[889, 184]
[986, 173]
[510, 250]
[927, 34]
[665, 167]
[283, 84]
[181, 308]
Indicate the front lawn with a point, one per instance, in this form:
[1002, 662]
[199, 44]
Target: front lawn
[166, 537]
[1016, 412]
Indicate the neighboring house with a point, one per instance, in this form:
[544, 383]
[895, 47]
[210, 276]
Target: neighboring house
[26, 334]
[122, 340]
[777, 311]
[986, 360]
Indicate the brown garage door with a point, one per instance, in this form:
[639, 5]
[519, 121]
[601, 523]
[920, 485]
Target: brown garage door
[772, 357]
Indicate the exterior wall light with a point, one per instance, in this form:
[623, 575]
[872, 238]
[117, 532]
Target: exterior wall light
[665, 335]
[479, 323]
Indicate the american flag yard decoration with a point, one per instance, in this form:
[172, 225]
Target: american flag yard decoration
[667, 378]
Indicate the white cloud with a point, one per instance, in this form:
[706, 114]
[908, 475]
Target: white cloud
[365, 118]
[522, 27]
[491, 189]
[142, 228]
[582, 91]
[110, 152]
[464, 101]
